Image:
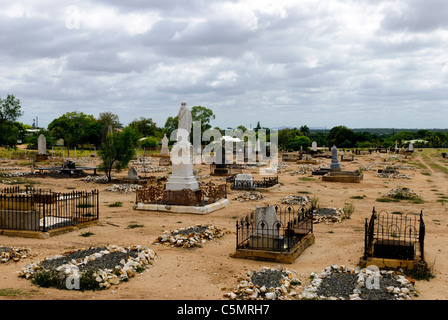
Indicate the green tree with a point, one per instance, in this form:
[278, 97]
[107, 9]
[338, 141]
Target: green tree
[204, 115]
[150, 142]
[10, 109]
[76, 128]
[340, 136]
[171, 125]
[305, 130]
[10, 130]
[144, 127]
[117, 150]
[33, 138]
[299, 141]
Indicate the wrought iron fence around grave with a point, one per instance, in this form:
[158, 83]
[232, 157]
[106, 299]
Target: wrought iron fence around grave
[157, 194]
[294, 224]
[42, 210]
[253, 184]
[394, 236]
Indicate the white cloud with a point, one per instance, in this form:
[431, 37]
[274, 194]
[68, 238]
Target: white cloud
[286, 62]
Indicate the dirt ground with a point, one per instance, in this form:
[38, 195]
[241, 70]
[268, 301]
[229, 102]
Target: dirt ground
[207, 273]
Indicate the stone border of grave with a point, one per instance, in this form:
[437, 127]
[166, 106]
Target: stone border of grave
[371, 283]
[104, 277]
[193, 236]
[14, 254]
[266, 284]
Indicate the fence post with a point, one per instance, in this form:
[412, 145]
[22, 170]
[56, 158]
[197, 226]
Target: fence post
[365, 239]
[44, 227]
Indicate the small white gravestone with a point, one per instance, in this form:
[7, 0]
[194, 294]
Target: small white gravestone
[165, 150]
[411, 146]
[42, 144]
[244, 180]
[133, 174]
[314, 146]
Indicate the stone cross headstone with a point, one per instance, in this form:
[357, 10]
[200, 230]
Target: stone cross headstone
[335, 165]
[42, 144]
[165, 150]
[133, 174]
[314, 146]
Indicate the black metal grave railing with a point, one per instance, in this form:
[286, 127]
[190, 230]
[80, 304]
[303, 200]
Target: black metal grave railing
[42, 210]
[292, 226]
[394, 236]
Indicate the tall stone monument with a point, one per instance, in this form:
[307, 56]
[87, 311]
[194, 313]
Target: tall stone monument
[41, 148]
[165, 150]
[41, 145]
[335, 165]
[182, 176]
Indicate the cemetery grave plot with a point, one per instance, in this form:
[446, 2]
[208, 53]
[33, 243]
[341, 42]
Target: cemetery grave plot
[207, 194]
[345, 283]
[273, 233]
[249, 196]
[396, 237]
[401, 193]
[266, 284]
[246, 182]
[67, 168]
[190, 237]
[31, 209]
[96, 267]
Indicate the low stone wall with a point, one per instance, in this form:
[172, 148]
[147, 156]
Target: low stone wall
[343, 176]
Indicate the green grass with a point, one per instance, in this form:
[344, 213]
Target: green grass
[306, 179]
[134, 224]
[115, 204]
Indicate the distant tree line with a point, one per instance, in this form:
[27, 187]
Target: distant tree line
[81, 130]
[343, 137]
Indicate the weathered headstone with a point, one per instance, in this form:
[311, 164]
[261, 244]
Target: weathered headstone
[266, 234]
[335, 165]
[133, 174]
[42, 144]
[165, 150]
[411, 146]
[314, 146]
[244, 180]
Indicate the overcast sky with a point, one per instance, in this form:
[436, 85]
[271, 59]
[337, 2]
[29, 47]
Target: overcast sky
[363, 63]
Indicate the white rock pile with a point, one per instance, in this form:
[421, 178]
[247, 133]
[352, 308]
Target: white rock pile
[98, 179]
[124, 188]
[329, 215]
[295, 199]
[13, 253]
[133, 259]
[342, 283]
[402, 193]
[194, 236]
[249, 196]
[266, 284]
